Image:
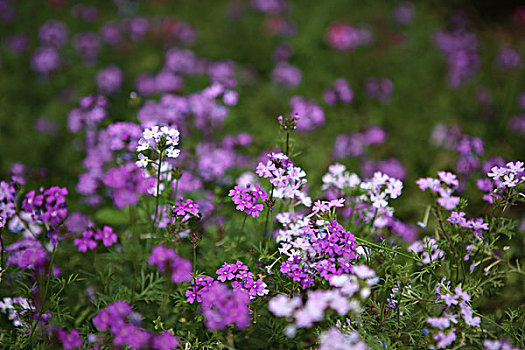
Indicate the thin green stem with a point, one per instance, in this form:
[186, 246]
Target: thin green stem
[158, 192]
[44, 300]
[287, 142]
[242, 230]
[364, 241]
[195, 277]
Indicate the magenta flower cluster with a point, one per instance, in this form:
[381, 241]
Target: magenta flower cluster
[48, 206]
[339, 93]
[88, 238]
[242, 279]
[184, 210]
[119, 322]
[222, 307]
[237, 274]
[247, 199]
[166, 259]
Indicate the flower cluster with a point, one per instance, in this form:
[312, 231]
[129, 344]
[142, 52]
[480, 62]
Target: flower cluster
[15, 308]
[379, 88]
[242, 279]
[344, 37]
[160, 140]
[502, 344]
[119, 322]
[287, 75]
[247, 197]
[87, 239]
[477, 225]
[289, 122]
[7, 200]
[444, 186]
[508, 176]
[222, 307]
[48, 206]
[370, 198]
[311, 115]
[469, 148]
[26, 254]
[428, 249]
[92, 111]
[323, 248]
[355, 144]
[238, 274]
[347, 295]
[456, 310]
[127, 183]
[185, 210]
[166, 259]
[459, 47]
[287, 180]
[70, 340]
[339, 93]
[335, 339]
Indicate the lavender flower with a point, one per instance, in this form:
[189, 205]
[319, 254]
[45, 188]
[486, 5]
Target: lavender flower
[287, 75]
[223, 307]
[109, 79]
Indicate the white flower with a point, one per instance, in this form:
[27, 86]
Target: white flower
[143, 145]
[172, 152]
[143, 161]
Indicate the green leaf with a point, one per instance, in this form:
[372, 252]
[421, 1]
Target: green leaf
[112, 216]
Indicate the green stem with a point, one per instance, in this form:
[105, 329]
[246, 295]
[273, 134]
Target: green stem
[287, 142]
[242, 230]
[364, 241]
[158, 192]
[44, 300]
[195, 277]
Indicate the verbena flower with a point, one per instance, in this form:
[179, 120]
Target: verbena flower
[222, 307]
[247, 197]
[166, 259]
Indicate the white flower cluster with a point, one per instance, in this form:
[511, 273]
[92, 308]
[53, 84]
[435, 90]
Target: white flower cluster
[161, 140]
[377, 191]
[14, 308]
[507, 176]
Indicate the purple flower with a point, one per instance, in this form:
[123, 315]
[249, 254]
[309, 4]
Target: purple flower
[246, 199]
[26, 254]
[343, 37]
[287, 75]
[45, 60]
[85, 242]
[223, 307]
[109, 79]
[310, 115]
[162, 257]
[53, 33]
[379, 88]
[509, 58]
[340, 92]
[164, 341]
[70, 340]
[87, 46]
[106, 235]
